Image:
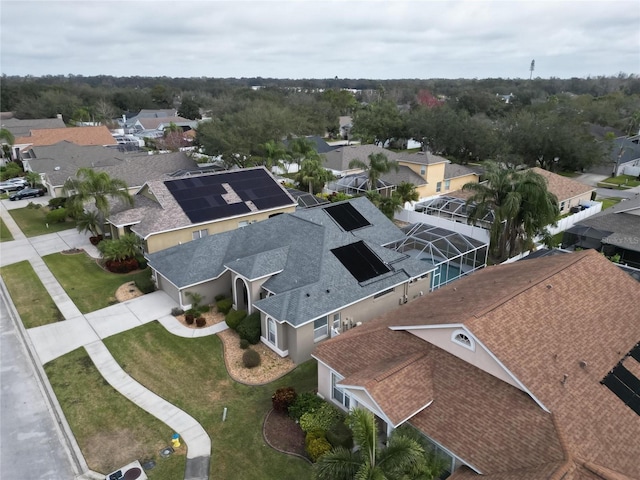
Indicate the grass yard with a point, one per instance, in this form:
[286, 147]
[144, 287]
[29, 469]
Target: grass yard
[89, 286]
[32, 221]
[110, 430]
[5, 234]
[191, 374]
[33, 302]
[609, 202]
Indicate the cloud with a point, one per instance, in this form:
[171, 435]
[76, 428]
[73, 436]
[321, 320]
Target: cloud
[319, 39]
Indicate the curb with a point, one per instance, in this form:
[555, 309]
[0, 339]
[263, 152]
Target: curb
[78, 462]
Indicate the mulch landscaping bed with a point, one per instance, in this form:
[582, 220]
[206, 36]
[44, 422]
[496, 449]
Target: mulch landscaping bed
[284, 434]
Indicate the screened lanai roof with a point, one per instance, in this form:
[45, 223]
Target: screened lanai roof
[438, 242]
[356, 183]
[451, 208]
[452, 253]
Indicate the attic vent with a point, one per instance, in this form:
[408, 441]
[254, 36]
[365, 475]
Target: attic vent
[56, 168]
[461, 337]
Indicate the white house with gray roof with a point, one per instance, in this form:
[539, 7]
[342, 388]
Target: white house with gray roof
[311, 274]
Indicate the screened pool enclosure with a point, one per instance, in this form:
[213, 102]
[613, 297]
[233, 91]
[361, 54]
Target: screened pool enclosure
[452, 253]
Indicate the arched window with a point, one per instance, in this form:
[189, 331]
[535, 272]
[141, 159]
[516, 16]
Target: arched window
[461, 337]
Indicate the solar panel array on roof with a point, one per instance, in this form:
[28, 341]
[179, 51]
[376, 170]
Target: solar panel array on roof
[361, 262]
[204, 198]
[624, 384]
[347, 216]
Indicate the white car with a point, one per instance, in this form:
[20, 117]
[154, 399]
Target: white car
[13, 184]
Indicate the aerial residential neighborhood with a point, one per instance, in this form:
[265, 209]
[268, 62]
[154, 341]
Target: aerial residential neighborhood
[293, 240]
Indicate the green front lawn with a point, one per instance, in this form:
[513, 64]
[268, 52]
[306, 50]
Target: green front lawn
[191, 374]
[111, 430]
[34, 304]
[32, 221]
[623, 181]
[5, 234]
[609, 202]
[89, 286]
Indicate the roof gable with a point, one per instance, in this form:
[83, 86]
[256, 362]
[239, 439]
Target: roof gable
[562, 187]
[78, 135]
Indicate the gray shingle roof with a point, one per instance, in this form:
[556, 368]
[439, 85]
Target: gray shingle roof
[422, 158]
[404, 174]
[619, 220]
[21, 128]
[312, 281]
[339, 158]
[453, 170]
[61, 161]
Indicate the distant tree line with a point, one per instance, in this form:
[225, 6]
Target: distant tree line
[546, 122]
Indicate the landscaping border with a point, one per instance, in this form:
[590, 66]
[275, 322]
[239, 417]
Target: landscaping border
[264, 424]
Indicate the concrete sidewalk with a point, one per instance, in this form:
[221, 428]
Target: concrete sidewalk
[77, 330]
[196, 438]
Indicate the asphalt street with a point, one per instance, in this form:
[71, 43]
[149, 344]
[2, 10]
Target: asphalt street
[25, 418]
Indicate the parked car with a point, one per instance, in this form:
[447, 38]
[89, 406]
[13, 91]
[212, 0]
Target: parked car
[12, 186]
[26, 193]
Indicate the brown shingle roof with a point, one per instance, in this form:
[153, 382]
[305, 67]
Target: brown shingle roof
[562, 187]
[78, 135]
[575, 315]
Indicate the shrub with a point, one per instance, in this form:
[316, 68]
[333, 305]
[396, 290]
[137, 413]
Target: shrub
[251, 359]
[124, 266]
[234, 317]
[224, 305]
[201, 322]
[145, 284]
[204, 308]
[249, 328]
[244, 343]
[304, 402]
[339, 435]
[313, 435]
[283, 398]
[317, 447]
[219, 297]
[322, 418]
[34, 205]
[56, 216]
[142, 262]
[176, 311]
[57, 202]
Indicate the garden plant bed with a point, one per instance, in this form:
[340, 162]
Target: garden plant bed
[284, 434]
[211, 317]
[127, 291]
[272, 366]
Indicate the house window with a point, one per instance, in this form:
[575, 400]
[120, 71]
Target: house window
[337, 393]
[561, 206]
[271, 330]
[439, 187]
[423, 170]
[199, 234]
[320, 329]
[461, 337]
[447, 184]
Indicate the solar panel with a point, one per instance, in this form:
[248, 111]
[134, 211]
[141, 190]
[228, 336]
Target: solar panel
[347, 216]
[625, 385]
[361, 262]
[635, 352]
[207, 197]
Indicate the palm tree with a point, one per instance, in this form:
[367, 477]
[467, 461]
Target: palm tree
[369, 461]
[407, 192]
[378, 165]
[521, 204]
[88, 221]
[99, 187]
[274, 154]
[7, 139]
[390, 205]
[312, 175]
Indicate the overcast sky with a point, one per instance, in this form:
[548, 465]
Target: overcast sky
[321, 39]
